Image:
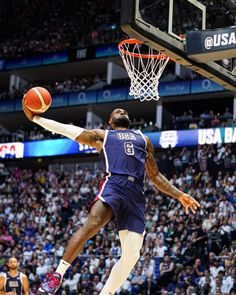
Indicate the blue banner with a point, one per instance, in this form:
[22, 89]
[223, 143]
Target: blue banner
[23, 62]
[180, 138]
[129, 97]
[80, 98]
[114, 94]
[56, 147]
[174, 88]
[18, 105]
[107, 50]
[55, 58]
[59, 100]
[174, 138]
[205, 85]
[7, 106]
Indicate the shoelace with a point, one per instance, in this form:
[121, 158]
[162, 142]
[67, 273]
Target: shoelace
[53, 282]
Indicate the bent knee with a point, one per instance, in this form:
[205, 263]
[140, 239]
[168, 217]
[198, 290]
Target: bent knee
[96, 221]
[131, 257]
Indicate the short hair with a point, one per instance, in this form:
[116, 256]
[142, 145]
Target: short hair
[12, 257]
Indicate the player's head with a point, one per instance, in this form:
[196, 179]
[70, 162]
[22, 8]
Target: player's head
[12, 263]
[119, 118]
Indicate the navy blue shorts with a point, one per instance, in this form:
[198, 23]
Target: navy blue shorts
[127, 200]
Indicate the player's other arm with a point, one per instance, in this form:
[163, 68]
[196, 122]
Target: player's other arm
[25, 283]
[92, 137]
[163, 184]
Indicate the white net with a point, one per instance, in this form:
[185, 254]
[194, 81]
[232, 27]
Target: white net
[144, 70]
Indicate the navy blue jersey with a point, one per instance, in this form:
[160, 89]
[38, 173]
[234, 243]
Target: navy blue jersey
[124, 152]
[13, 283]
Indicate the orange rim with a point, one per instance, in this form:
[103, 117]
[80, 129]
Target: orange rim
[135, 41]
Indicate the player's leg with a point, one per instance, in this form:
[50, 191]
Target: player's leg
[100, 215]
[131, 244]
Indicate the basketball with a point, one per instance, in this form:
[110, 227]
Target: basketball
[38, 100]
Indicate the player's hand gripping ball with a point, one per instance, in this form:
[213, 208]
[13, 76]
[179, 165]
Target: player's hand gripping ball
[37, 100]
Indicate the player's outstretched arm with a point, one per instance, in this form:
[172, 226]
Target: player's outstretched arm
[164, 185]
[92, 137]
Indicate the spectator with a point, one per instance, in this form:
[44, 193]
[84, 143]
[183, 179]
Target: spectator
[138, 281]
[160, 249]
[166, 270]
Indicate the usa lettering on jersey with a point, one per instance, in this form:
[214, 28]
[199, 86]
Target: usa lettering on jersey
[125, 136]
[13, 284]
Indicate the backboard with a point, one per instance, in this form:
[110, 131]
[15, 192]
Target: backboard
[161, 24]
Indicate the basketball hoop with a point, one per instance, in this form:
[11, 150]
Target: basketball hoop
[144, 69]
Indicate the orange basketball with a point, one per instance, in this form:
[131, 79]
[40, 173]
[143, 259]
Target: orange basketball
[38, 100]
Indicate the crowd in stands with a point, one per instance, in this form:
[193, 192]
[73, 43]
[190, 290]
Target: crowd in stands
[182, 254]
[65, 86]
[206, 119]
[36, 27]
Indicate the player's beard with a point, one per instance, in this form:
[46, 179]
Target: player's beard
[122, 122]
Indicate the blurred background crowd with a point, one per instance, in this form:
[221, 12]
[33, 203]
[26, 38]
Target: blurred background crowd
[65, 25]
[23, 33]
[182, 254]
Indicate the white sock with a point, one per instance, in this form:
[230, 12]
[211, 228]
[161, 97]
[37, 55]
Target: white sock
[131, 244]
[62, 267]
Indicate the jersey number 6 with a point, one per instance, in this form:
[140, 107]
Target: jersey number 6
[129, 148]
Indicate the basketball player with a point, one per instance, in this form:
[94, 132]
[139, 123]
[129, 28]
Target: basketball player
[126, 155]
[13, 282]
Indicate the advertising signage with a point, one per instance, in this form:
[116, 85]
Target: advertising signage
[164, 139]
[180, 138]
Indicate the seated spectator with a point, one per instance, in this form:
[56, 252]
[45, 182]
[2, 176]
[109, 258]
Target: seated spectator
[110, 261]
[193, 125]
[160, 249]
[126, 288]
[227, 113]
[217, 286]
[166, 270]
[185, 277]
[215, 121]
[42, 268]
[215, 268]
[138, 281]
[198, 270]
[206, 282]
[71, 282]
[98, 285]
